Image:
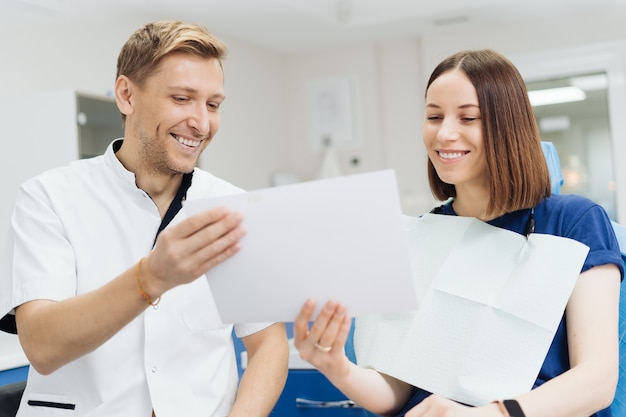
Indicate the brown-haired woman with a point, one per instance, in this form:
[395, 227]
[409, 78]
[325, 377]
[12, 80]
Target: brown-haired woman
[486, 162]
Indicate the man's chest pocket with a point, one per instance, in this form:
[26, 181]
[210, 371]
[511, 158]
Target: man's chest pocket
[38, 404]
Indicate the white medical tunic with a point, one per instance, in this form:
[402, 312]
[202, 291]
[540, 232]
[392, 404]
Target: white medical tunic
[74, 229]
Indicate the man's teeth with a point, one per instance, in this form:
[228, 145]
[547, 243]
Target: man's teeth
[450, 155]
[188, 142]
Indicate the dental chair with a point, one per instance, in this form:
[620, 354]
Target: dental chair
[618, 407]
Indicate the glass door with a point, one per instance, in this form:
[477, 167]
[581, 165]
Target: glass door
[588, 128]
[573, 113]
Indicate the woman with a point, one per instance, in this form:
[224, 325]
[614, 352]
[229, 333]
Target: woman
[486, 161]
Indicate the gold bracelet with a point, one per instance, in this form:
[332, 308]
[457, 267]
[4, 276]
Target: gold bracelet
[144, 294]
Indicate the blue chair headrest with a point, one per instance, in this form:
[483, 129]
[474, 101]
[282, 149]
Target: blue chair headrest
[554, 166]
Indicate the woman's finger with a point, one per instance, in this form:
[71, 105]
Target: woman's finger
[322, 321]
[328, 339]
[301, 323]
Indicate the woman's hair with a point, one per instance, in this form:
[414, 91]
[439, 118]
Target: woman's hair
[517, 169]
[143, 51]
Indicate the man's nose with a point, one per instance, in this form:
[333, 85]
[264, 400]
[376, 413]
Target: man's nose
[200, 120]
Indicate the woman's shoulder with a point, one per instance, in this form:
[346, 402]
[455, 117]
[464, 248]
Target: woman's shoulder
[572, 215]
[568, 203]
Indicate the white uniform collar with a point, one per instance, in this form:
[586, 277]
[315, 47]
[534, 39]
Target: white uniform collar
[110, 159]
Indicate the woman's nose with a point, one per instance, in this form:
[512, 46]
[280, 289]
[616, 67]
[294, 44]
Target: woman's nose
[448, 130]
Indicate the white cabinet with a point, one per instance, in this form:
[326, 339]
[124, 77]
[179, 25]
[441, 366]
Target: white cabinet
[45, 131]
[49, 130]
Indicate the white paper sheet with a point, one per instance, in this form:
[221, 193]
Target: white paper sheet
[490, 302]
[341, 239]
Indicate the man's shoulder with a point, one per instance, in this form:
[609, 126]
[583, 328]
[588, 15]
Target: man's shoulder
[63, 174]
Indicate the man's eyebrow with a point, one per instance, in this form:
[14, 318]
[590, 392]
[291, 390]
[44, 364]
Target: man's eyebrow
[192, 90]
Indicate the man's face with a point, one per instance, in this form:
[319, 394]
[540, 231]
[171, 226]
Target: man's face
[176, 113]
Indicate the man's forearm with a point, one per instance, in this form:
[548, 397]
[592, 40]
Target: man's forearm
[265, 375]
[55, 333]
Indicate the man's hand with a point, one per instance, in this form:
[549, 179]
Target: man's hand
[185, 251]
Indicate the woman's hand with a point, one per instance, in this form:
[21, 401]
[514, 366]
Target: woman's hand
[322, 345]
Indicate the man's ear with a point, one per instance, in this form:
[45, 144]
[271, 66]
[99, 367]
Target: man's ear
[124, 89]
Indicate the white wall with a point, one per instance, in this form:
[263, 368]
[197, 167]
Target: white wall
[252, 141]
[47, 57]
[389, 104]
[359, 62]
[545, 33]
[401, 97]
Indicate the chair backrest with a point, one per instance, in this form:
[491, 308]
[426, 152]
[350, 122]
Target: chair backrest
[10, 397]
[618, 407]
[554, 165]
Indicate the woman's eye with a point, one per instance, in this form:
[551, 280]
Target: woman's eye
[433, 118]
[180, 99]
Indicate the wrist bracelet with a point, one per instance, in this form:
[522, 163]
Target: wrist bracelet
[510, 408]
[144, 294]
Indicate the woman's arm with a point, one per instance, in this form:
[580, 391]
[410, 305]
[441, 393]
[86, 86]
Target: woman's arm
[592, 327]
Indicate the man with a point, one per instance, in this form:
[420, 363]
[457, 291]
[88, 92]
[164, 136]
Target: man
[104, 275]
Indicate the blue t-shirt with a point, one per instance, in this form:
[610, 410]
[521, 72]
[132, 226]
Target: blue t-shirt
[570, 216]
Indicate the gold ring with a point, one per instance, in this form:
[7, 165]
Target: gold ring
[322, 348]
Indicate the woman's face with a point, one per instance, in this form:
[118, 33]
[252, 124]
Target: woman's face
[453, 131]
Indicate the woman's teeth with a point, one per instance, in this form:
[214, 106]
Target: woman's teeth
[450, 155]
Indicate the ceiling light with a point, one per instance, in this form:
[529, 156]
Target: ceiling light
[555, 96]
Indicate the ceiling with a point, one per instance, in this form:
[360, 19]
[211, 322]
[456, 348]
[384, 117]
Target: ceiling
[294, 25]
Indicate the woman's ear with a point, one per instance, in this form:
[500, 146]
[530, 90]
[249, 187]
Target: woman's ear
[124, 94]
